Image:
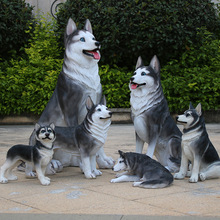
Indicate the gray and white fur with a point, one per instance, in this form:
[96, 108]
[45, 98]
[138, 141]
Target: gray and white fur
[151, 117]
[144, 171]
[78, 79]
[86, 139]
[197, 148]
[38, 155]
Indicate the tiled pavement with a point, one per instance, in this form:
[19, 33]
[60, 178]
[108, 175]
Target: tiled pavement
[79, 198]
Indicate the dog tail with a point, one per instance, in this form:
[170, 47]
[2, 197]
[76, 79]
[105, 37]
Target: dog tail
[155, 184]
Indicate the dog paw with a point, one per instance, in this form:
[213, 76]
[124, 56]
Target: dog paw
[105, 163]
[90, 175]
[97, 172]
[12, 177]
[55, 166]
[31, 175]
[193, 179]
[45, 182]
[3, 180]
[179, 176]
[202, 176]
[113, 180]
[135, 184]
[47, 178]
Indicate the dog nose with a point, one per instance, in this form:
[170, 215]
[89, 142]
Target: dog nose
[97, 43]
[132, 78]
[110, 113]
[177, 117]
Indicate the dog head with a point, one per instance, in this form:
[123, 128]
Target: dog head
[190, 117]
[121, 164]
[81, 45]
[98, 113]
[45, 134]
[145, 77]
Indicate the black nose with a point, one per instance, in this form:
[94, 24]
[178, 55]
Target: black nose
[132, 78]
[110, 113]
[97, 43]
[177, 117]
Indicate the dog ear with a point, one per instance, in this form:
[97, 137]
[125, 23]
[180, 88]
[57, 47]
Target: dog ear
[155, 64]
[88, 26]
[52, 125]
[122, 154]
[89, 103]
[139, 62]
[37, 126]
[103, 101]
[191, 106]
[71, 27]
[199, 109]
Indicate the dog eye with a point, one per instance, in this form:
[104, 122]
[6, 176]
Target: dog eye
[82, 39]
[93, 38]
[134, 73]
[49, 130]
[187, 114]
[99, 110]
[143, 74]
[42, 131]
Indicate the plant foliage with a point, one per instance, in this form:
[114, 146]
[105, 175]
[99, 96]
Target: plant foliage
[128, 29]
[15, 16]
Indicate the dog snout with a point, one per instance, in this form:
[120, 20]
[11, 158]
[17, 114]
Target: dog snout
[97, 43]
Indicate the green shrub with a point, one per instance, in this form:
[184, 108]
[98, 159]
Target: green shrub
[15, 17]
[27, 84]
[115, 86]
[194, 77]
[128, 29]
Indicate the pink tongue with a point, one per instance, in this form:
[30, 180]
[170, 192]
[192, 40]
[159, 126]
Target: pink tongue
[134, 86]
[96, 55]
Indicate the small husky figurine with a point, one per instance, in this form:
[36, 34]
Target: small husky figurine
[141, 168]
[197, 148]
[86, 139]
[39, 155]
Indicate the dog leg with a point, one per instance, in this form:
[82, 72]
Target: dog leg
[151, 149]
[9, 172]
[93, 166]
[29, 171]
[183, 168]
[195, 170]
[103, 161]
[139, 144]
[44, 180]
[87, 168]
[212, 172]
[4, 168]
[126, 178]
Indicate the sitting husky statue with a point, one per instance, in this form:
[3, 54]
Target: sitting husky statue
[78, 79]
[151, 117]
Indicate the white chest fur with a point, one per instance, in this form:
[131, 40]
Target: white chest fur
[189, 140]
[46, 156]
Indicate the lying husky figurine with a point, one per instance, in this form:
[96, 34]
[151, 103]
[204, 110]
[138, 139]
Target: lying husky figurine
[148, 172]
[151, 117]
[39, 155]
[86, 139]
[78, 79]
[197, 148]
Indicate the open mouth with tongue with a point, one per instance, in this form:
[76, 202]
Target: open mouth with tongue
[136, 85]
[93, 53]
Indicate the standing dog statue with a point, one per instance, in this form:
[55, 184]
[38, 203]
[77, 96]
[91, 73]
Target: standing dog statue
[39, 155]
[197, 148]
[78, 79]
[147, 172]
[151, 117]
[86, 139]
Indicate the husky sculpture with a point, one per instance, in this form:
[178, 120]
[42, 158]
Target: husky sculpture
[78, 79]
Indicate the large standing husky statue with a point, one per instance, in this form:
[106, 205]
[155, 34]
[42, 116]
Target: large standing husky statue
[78, 79]
[151, 117]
